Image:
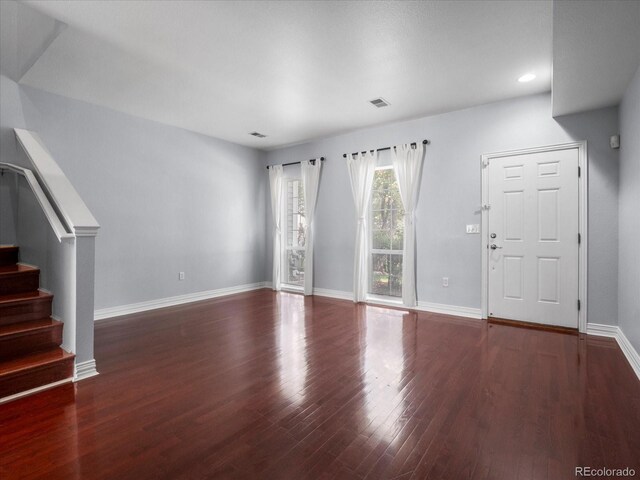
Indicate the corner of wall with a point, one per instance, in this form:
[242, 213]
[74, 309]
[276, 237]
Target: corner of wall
[628, 215]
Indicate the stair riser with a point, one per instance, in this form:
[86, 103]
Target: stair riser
[8, 256]
[22, 282]
[24, 343]
[25, 311]
[35, 377]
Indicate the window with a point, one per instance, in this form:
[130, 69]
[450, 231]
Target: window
[387, 234]
[295, 231]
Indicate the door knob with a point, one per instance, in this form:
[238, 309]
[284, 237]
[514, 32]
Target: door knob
[494, 246]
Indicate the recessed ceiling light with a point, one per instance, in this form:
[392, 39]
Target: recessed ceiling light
[527, 77]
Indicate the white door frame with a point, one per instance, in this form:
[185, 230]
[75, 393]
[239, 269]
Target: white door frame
[582, 222]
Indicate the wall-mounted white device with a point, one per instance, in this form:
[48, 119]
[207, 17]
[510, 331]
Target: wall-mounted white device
[614, 141]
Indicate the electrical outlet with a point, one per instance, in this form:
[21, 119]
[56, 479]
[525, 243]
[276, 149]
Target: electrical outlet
[181, 276]
[445, 281]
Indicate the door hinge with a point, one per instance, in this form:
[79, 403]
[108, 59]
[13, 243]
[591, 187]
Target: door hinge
[485, 164]
[579, 305]
[579, 239]
[579, 171]
[486, 206]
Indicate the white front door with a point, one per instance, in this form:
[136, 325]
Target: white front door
[533, 237]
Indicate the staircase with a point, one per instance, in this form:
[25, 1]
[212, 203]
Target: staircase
[30, 353]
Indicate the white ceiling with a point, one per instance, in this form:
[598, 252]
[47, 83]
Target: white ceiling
[300, 70]
[292, 70]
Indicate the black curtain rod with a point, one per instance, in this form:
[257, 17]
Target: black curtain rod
[424, 142]
[313, 161]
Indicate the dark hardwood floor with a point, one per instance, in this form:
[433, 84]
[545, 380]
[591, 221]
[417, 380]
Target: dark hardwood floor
[277, 386]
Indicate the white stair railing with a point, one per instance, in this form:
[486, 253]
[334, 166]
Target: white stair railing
[61, 231]
[57, 186]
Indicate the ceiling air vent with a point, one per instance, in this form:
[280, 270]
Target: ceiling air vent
[257, 134]
[379, 102]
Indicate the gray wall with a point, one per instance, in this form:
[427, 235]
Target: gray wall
[10, 116]
[629, 210]
[450, 194]
[8, 208]
[167, 200]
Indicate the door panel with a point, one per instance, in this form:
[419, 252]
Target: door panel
[513, 278]
[533, 213]
[514, 216]
[548, 215]
[549, 280]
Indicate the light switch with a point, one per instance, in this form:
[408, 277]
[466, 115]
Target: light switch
[475, 228]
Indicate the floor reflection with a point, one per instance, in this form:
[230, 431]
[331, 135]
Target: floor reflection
[57, 410]
[383, 365]
[292, 346]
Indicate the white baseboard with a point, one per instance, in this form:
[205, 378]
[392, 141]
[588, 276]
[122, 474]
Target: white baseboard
[339, 294]
[321, 292]
[110, 312]
[602, 330]
[614, 331]
[26, 393]
[85, 370]
[467, 312]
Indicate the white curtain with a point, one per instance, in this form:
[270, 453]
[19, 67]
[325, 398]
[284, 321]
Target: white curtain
[310, 182]
[276, 174]
[407, 163]
[361, 171]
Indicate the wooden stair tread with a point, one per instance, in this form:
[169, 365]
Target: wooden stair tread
[24, 297]
[29, 326]
[25, 306]
[24, 363]
[18, 278]
[17, 268]
[29, 336]
[30, 353]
